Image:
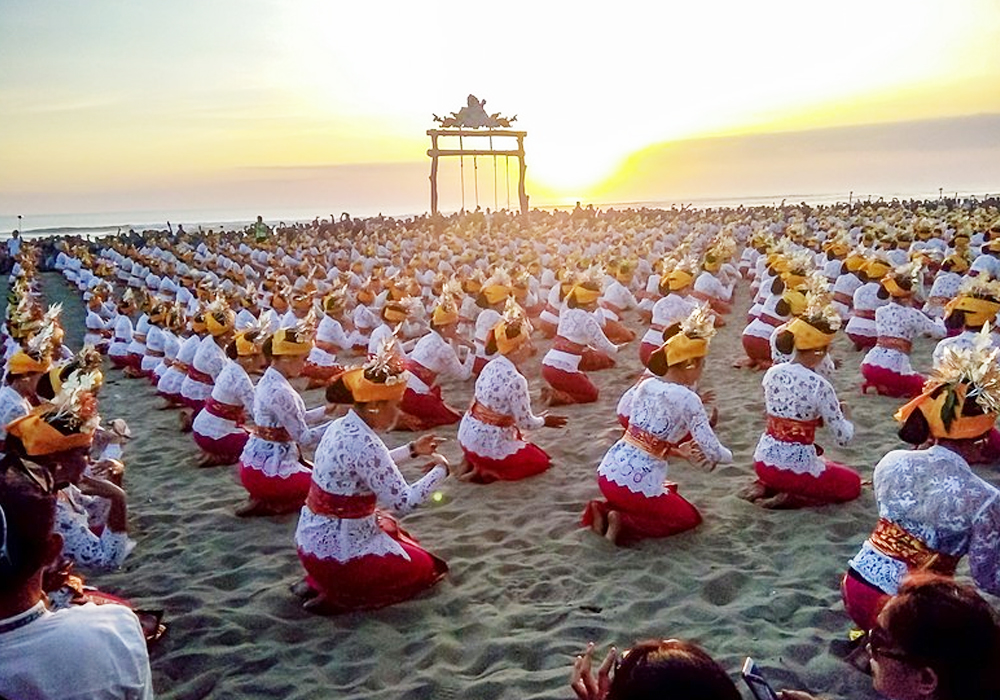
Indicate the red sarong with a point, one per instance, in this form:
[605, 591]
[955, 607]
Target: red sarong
[643, 516]
[527, 461]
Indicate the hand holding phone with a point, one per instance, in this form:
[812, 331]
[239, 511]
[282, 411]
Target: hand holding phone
[755, 680]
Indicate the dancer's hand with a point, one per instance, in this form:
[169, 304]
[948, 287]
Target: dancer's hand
[426, 444]
[582, 681]
[438, 460]
[554, 421]
[93, 486]
[845, 409]
[708, 397]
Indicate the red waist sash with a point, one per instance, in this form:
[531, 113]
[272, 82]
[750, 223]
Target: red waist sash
[200, 376]
[225, 410]
[610, 307]
[865, 313]
[647, 442]
[701, 296]
[770, 320]
[802, 432]
[275, 434]
[326, 346]
[901, 344]
[336, 505]
[843, 298]
[153, 353]
[181, 366]
[568, 346]
[421, 372]
[893, 541]
[490, 417]
[139, 337]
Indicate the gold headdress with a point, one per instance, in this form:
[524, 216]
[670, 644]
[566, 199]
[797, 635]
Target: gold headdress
[979, 298]
[513, 329]
[382, 378]
[692, 340]
[219, 318]
[66, 422]
[963, 374]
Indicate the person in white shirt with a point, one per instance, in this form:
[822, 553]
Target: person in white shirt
[78, 653]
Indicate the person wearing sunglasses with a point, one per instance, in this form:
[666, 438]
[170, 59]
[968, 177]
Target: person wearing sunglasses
[937, 639]
[669, 668]
[80, 652]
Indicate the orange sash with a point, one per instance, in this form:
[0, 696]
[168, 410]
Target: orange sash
[901, 344]
[647, 442]
[893, 541]
[340, 506]
[802, 432]
[275, 434]
[490, 417]
[568, 346]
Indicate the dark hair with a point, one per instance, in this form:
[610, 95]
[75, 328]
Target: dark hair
[948, 627]
[657, 362]
[785, 342]
[338, 392]
[30, 517]
[231, 351]
[862, 275]
[882, 292]
[914, 429]
[782, 308]
[955, 321]
[777, 286]
[672, 668]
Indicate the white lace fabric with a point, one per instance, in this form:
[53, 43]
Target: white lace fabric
[503, 389]
[351, 460]
[897, 321]
[934, 495]
[276, 404]
[232, 387]
[208, 359]
[667, 311]
[107, 551]
[794, 391]
[580, 327]
[435, 354]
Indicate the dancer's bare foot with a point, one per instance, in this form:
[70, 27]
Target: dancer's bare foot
[208, 460]
[303, 590]
[254, 508]
[318, 605]
[614, 527]
[186, 419]
[598, 523]
[753, 492]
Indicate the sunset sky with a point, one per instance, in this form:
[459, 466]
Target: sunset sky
[315, 105]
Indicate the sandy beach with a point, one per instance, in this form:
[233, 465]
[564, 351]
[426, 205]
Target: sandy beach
[527, 588]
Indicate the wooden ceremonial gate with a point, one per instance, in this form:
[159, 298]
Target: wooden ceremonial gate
[472, 122]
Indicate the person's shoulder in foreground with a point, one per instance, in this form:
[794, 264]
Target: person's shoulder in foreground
[89, 651]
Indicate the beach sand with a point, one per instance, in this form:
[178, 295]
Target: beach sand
[527, 588]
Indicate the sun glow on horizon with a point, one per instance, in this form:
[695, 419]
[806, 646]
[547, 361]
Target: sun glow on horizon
[315, 84]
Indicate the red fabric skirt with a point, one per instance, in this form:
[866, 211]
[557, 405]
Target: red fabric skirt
[374, 581]
[134, 361]
[862, 601]
[645, 350]
[425, 411]
[643, 516]
[569, 387]
[527, 461]
[175, 399]
[984, 450]
[757, 349]
[194, 404]
[118, 361]
[228, 448]
[594, 361]
[319, 372]
[274, 489]
[863, 341]
[836, 484]
[889, 383]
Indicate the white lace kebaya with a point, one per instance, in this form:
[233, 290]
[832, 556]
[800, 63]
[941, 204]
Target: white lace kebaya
[233, 388]
[934, 495]
[794, 391]
[502, 389]
[897, 321]
[351, 460]
[277, 405]
[581, 327]
[669, 412]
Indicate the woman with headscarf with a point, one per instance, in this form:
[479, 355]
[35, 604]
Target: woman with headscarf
[490, 432]
[933, 509]
[355, 556]
[790, 471]
[665, 414]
